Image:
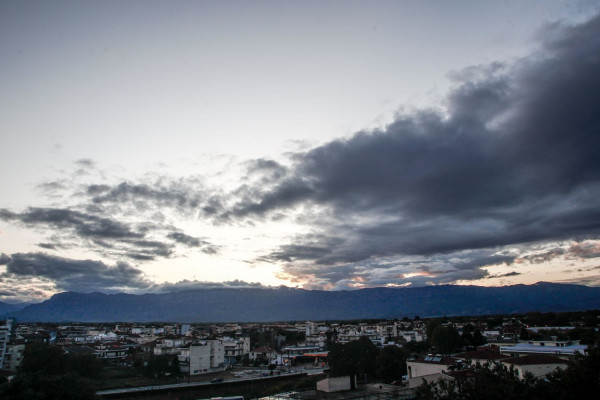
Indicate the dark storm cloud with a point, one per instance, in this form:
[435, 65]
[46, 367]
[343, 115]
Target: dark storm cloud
[76, 275]
[514, 159]
[108, 236]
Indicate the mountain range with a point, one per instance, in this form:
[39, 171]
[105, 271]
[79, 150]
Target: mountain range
[288, 304]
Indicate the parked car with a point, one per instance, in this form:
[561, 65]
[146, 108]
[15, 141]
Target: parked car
[216, 380]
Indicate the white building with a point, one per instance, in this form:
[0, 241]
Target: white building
[184, 329]
[412, 336]
[263, 353]
[538, 365]
[559, 348]
[429, 368]
[168, 346]
[235, 348]
[5, 336]
[203, 357]
[13, 356]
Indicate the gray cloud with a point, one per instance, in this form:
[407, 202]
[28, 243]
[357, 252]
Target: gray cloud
[506, 275]
[75, 275]
[398, 270]
[511, 160]
[106, 235]
[84, 225]
[586, 249]
[514, 159]
[192, 285]
[85, 163]
[173, 194]
[4, 259]
[191, 241]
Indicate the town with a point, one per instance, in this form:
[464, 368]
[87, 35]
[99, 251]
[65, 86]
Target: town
[392, 358]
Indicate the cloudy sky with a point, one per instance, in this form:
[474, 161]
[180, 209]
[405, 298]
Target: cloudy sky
[150, 146]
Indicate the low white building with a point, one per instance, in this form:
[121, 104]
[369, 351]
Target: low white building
[429, 368]
[264, 353]
[412, 336]
[559, 348]
[538, 365]
[168, 346]
[13, 355]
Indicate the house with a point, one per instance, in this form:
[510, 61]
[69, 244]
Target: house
[412, 336]
[263, 353]
[202, 357]
[538, 365]
[168, 346]
[430, 368]
[113, 353]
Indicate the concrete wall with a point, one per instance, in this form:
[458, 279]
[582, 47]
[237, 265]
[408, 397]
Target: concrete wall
[338, 384]
[416, 369]
[538, 370]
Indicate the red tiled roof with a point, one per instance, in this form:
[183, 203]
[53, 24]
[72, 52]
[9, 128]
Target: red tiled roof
[263, 349]
[533, 359]
[480, 355]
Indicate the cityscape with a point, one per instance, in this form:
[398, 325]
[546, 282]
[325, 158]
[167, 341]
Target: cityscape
[391, 359]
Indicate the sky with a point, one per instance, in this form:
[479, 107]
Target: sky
[153, 146]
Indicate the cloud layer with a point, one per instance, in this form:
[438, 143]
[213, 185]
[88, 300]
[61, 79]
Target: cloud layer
[513, 158]
[510, 160]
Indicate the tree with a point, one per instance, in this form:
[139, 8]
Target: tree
[496, 383]
[391, 363]
[580, 380]
[38, 386]
[445, 339]
[429, 328]
[478, 338]
[157, 366]
[358, 357]
[45, 359]
[46, 373]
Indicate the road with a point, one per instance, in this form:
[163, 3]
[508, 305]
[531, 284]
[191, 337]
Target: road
[182, 385]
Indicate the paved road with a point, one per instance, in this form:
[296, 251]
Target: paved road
[202, 384]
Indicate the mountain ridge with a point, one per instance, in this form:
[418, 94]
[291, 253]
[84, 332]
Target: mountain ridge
[275, 304]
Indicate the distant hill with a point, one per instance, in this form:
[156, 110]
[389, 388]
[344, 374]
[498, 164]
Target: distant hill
[10, 308]
[285, 304]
